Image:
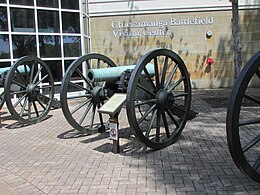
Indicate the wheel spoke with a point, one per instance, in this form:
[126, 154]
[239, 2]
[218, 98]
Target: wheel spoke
[29, 110]
[175, 84]
[26, 73]
[165, 66]
[145, 102]
[166, 125]
[19, 84]
[41, 102]
[80, 96]
[257, 163]
[146, 90]
[172, 118]
[84, 78]
[35, 108]
[158, 127]
[18, 92]
[150, 81]
[23, 107]
[148, 130]
[156, 71]
[146, 114]
[249, 122]
[85, 113]
[79, 86]
[32, 72]
[181, 95]
[171, 76]
[21, 77]
[19, 100]
[258, 73]
[41, 80]
[80, 106]
[37, 74]
[249, 97]
[251, 144]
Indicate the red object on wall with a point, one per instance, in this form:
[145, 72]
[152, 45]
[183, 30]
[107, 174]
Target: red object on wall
[209, 61]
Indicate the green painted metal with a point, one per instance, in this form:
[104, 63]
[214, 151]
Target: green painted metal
[112, 73]
[21, 69]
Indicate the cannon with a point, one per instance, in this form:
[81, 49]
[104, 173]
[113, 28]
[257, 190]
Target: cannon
[243, 122]
[157, 88]
[27, 87]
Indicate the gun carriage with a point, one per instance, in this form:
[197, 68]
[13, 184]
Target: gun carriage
[28, 89]
[158, 95]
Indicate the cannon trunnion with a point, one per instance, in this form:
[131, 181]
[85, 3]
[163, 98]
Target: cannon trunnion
[158, 93]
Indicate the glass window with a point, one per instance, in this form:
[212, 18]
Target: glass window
[70, 22]
[5, 64]
[47, 3]
[24, 45]
[22, 2]
[2, 1]
[56, 69]
[3, 19]
[71, 45]
[68, 4]
[22, 20]
[50, 46]
[4, 48]
[48, 21]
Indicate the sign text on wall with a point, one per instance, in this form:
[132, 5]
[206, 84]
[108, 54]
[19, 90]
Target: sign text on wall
[156, 27]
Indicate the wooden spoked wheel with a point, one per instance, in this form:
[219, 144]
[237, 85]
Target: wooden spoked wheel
[158, 98]
[243, 122]
[81, 99]
[29, 90]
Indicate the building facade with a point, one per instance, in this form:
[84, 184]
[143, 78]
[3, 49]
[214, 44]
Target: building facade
[197, 31]
[57, 31]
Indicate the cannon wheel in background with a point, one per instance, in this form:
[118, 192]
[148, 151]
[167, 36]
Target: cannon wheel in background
[80, 107]
[29, 90]
[243, 122]
[2, 100]
[158, 98]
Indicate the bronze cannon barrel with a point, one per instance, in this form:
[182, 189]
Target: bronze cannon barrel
[112, 73]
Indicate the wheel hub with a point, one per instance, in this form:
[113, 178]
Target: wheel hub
[32, 90]
[164, 98]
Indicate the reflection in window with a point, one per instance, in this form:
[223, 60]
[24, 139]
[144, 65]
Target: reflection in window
[24, 45]
[67, 63]
[22, 2]
[50, 46]
[48, 21]
[72, 46]
[68, 4]
[2, 1]
[56, 69]
[70, 22]
[47, 3]
[4, 47]
[22, 20]
[5, 64]
[3, 19]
